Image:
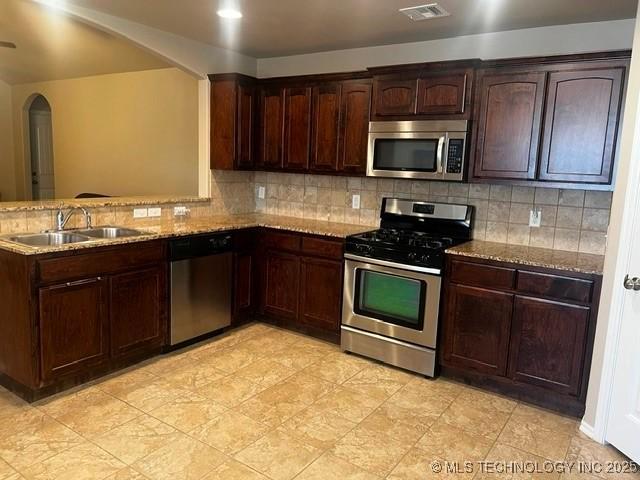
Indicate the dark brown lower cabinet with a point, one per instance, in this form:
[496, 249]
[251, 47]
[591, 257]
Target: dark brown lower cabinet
[478, 329]
[242, 286]
[548, 344]
[300, 282]
[281, 283]
[320, 291]
[137, 311]
[78, 315]
[528, 334]
[74, 327]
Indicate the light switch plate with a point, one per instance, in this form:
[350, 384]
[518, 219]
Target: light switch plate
[355, 201]
[155, 212]
[140, 213]
[535, 217]
[261, 192]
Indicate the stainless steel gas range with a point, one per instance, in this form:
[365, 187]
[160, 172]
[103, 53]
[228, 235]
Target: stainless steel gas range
[393, 278]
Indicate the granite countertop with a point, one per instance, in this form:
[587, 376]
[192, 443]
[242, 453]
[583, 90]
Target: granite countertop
[537, 257]
[6, 207]
[183, 227]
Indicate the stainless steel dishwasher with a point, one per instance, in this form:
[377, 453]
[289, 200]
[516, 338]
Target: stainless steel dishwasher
[200, 286]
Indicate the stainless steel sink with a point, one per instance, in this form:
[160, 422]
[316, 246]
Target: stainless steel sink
[50, 239]
[54, 239]
[110, 232]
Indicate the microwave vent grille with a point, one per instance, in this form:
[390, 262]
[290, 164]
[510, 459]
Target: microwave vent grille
[424, 12]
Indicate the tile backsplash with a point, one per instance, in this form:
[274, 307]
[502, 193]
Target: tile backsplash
[573, 220]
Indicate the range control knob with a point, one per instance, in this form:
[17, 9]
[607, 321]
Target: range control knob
[413, 256]
[424, 259]
[364, 248]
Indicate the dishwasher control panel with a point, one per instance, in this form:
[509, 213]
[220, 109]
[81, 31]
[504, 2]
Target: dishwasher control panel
[199, 245]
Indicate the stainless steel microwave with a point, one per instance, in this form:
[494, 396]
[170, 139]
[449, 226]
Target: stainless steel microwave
[431, 149]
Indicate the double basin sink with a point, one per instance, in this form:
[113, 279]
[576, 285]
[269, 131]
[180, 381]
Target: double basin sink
[54, 239]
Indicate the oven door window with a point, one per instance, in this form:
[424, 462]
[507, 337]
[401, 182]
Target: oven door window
[406, 154]
[390, 298]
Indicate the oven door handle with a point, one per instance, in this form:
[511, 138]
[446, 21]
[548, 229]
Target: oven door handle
[442, 142]
[399, 266]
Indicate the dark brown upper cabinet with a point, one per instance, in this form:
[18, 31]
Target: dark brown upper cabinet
[440, 90]
[326, 127]
[340, 127]
[551, 121]
[271, 127]
[233, 103]
[297, 128]
[443, 94]
[394, 96]
[509, 118]
[581, 123]
[355, 106]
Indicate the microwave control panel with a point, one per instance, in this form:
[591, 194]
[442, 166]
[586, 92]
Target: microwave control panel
[455, 155]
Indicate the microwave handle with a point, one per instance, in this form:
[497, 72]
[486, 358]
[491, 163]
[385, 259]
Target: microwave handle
[442, 142]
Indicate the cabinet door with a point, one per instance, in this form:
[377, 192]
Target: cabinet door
[442, 95]
[281, 284]
[509, 118]
[271, 127]
[245, 125]
[321, 293]
[297, 128]
[326, 125]
[243, 289]
[394, 97]
[138, 311]
[548, 344]
[355, 105]
[581, 124]
[223, 132]
[477, 326]
[74, 328]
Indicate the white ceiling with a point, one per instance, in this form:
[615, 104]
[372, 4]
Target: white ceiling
[286, 27]
[52, 46]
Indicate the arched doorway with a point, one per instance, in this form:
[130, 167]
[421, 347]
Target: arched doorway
[41, 149]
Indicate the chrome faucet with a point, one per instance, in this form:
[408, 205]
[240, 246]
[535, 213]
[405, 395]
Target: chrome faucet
[62, 218]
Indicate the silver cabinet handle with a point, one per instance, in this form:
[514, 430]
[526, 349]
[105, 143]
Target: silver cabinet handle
[632, 283]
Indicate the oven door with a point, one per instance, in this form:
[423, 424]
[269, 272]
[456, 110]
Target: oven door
[392, 301]
[406, 154]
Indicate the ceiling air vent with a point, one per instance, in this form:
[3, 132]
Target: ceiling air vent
[424, 12]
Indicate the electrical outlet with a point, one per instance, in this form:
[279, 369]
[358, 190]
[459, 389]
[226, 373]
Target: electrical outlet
[140, 213]
[355, 201]
[180, 211]
[261, 192]
[535, 218]
[155, 212]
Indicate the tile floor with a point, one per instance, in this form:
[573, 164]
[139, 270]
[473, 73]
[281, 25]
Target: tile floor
[264, 403]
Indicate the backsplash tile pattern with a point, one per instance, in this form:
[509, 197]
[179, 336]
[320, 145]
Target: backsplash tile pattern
[573, 220]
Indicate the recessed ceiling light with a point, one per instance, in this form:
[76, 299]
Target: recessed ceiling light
[229, 13]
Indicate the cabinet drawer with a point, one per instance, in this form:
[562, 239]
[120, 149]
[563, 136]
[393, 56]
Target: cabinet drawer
[482, 275]
[100, 262]
[563, 288]
[282, 241]
[322, 248]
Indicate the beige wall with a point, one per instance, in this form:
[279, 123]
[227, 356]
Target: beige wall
[7, 175]
[120, 134]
